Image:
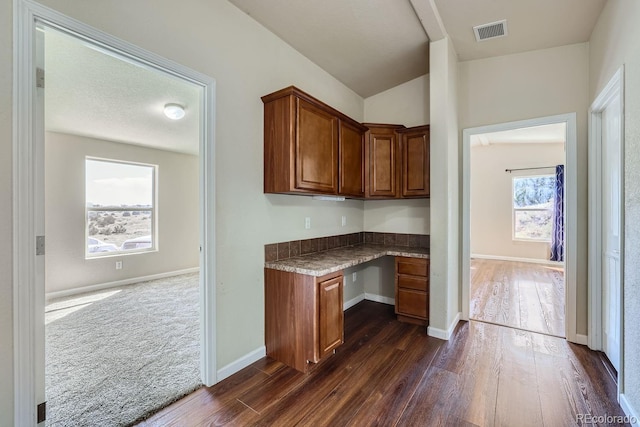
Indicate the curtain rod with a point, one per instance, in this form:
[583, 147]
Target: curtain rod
[528, 169]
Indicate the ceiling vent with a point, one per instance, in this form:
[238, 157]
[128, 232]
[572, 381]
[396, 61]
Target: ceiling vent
[490, 31]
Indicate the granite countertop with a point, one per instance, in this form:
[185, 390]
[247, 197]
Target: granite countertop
[321, 263]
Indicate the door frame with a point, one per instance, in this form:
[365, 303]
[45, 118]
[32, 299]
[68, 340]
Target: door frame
[28, 210]
[613, 92]
[571, 209]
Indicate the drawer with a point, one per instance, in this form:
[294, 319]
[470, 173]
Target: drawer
[412, 266]
[411, 282]
[412, 303]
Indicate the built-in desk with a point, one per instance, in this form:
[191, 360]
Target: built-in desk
[304, 319]
[323, 263]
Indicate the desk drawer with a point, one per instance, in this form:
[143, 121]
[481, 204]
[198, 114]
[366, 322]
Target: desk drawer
[412, 266]
[411, 282]
[412, 303]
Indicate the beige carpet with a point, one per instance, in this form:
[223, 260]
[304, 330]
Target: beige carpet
[116, 356]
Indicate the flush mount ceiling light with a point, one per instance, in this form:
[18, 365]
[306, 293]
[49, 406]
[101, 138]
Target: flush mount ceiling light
[174, 111]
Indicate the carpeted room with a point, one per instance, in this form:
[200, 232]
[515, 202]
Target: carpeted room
[122, 337]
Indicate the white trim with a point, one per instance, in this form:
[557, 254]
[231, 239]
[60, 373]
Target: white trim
[241, 363]
[441, 333]
[615, 87]
[571, 209]
[353, 301]
[517, 259]
[629, 410]
[379, 298]
[582, 339]
[118, 283]
[28, 211]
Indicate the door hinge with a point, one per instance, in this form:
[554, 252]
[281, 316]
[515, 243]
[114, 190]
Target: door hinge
[42, 412]
[40, 77]
[39, 245]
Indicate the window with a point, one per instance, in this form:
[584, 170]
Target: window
[120, 207]
[533, 199]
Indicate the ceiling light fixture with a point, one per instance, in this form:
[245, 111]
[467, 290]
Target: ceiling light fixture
[174, 111]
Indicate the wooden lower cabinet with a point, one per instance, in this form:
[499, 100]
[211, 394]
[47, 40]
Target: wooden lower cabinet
[304, 318]
[412, 290]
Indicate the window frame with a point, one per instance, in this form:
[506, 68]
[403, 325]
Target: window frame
[153, 209]
[515, 209]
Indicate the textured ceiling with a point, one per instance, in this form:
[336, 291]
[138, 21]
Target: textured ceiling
[369, 45]
[532, 24]
[545, 134]
[94, 93]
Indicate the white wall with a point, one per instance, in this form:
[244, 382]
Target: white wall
[491, 196]
[6, 224]
[614, 42]
[445, 223]
[177, 211]
[247, 61]
[528, 85]
[406, 104]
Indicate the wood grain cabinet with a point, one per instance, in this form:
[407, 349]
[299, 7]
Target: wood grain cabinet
[309, 147]
[382, 161]
[414, 146]
[412, 290]
[304, 318]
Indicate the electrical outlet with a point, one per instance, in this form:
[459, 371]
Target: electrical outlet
[344, 220]
[354, 276]
[118, 265]
[307, 223]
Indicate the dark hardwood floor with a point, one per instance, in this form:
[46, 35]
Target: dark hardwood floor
[518, 294]
[390, 373]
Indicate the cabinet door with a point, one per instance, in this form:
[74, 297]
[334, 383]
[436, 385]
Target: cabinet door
[331, 316]
[382, 164]
[316, 149]
[415, 163]
[351, 167]
[411, 303]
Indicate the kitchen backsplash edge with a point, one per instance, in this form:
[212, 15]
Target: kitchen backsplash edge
[294, 248]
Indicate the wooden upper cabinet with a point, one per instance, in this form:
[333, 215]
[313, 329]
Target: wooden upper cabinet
[304, 151]
[382, 161]
[351, 160]
[414, 145]
[316, 148]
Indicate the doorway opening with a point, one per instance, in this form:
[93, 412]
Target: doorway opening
[510, 275]
[517, 228]
[29, 208]
[121, 220]
[606, 223]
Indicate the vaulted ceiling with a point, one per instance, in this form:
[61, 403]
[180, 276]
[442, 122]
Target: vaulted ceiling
[369, 45]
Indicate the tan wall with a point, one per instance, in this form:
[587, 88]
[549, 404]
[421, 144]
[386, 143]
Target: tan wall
[491, 196]
[529, 85]
[406, 104]
[177, 211]
[6, 224]
[247, 61]
[614, 42]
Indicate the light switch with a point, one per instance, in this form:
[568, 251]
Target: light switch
[307, 223]
[344, 220]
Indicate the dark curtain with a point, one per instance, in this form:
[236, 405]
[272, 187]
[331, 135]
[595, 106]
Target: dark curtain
[557, 235]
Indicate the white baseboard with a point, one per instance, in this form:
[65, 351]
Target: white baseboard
[516, 259]
[118, 283]
[348, 304]
[582, 339]
[441, 333]
[630, 411]
[379, 298]
[241, 363]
